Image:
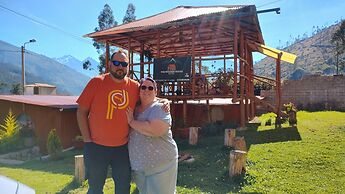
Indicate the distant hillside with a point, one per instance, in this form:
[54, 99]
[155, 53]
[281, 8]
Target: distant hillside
[315, 55]
[38, 68]
[77, 65]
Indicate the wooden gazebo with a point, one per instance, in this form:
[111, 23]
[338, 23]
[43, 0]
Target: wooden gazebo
[204, 33]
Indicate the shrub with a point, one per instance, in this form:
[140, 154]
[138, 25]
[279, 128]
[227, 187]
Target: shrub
[54, 146]
[9, 138]
[290, 107]
[291, 111]
[10, 126]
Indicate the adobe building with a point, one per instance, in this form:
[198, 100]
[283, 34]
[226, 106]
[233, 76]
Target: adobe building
[47, 112]
[40, 89]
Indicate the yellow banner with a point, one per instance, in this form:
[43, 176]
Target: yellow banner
[272, 52]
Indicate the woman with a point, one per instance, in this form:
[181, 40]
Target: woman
[152, 150]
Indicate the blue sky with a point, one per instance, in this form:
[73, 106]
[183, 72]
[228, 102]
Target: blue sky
[76, 18]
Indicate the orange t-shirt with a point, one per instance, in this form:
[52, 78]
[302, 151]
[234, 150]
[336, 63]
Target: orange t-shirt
[107, 102]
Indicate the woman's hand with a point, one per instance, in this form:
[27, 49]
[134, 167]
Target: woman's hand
[129, 114]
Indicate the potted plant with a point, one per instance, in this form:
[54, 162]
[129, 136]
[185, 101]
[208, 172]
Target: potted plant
[223, 82]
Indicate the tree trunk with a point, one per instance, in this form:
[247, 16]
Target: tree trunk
[237, 163]
[229, 137]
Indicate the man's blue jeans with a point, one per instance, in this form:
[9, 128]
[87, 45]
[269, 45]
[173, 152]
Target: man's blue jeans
[97, 160]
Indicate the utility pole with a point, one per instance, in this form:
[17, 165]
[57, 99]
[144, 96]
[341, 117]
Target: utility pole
[23, 65]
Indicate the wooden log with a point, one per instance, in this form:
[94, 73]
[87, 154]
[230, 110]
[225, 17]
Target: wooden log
[229, 137]
[240, 144]
[193, 135]
[79, 172]
[237, 162]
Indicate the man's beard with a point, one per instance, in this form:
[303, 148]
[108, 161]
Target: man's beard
[118, 76]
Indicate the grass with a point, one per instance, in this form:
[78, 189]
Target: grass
[308, 158]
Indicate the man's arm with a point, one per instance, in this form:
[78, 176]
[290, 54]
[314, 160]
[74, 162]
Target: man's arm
[166, 104]
[83, 122]
[152, 128]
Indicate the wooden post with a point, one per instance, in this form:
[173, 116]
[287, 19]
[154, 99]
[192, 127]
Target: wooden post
[107, 55]
[240, 144]
[242, 80]
[252, 102]
[184, 112]
[278, 91]
[142, 60]
[193, 62]
[234, 97]
[208, 110]
[130, 67]
[229, 137]
[79, 172]
[237, 162]
[193, 135]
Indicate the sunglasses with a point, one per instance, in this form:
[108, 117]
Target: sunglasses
[118, 63]
[147, 87]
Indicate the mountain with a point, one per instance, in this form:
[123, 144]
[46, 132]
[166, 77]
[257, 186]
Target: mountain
[315, 55]
[77, 65]
[38, 69]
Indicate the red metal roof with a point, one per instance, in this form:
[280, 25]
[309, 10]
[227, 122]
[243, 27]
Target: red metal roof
[65, 102]
[205, 30]
[177, 14]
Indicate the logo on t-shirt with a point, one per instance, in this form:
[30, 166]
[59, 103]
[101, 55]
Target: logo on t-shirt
[117, 99]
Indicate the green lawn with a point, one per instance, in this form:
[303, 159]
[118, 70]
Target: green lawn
[308, 158]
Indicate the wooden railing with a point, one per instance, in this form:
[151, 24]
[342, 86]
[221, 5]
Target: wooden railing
[216, 85]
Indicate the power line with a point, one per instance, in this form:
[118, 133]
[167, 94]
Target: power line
[19, 51]
[47, 25]
[269, 3]
[9, 51]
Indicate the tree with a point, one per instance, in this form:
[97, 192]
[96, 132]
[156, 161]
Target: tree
[129, 17]
[15, 89]
[54, 145]
[338, 39]
[2, 85]
[87, 65]
[105, 20]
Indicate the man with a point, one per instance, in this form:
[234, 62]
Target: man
[103, 124]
